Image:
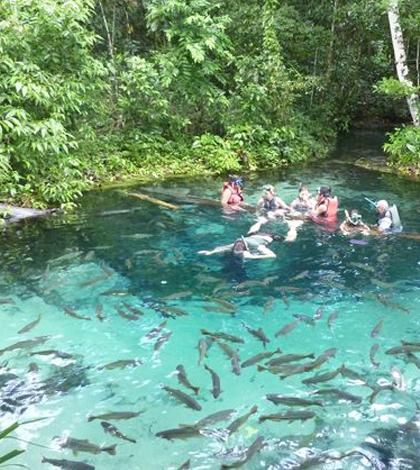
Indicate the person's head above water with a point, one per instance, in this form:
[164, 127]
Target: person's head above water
[382, 206]
[240, 246]
[324, 191]
[236, 180]
[354, 218]
[268, 191]
[303, 192]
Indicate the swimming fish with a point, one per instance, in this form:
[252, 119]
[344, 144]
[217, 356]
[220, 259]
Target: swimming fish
[203, 345]
[52, 352]
[83, 445]
[376, 330]
[133, 309]
[27, 343]
[215, 381]
[127, 316]
[289, 358]
[301, 275]
[325, 377]
[94, 280]
[238, 422]
[73, 314]
[259, 357]
[29, 326]
[332, 317]
[98, 310]
[225, 336]
[297, 415]
[179, 433]
[372, 353]
[268, 304]
[111, 429]
[340, 394]
[183, 379]
[304, 318]
[286, 329]
[68, 464]
[278, 399]
[211, 419]
[177, 295]
[224, 303]
[259, 334]
[175, 310]
[155, 331]
[255, 447]
[183, 398]
[161, 340]
[185, 466]
[121, 364]
[319, 313]
[115, 415]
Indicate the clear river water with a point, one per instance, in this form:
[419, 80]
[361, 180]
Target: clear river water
[99, 307]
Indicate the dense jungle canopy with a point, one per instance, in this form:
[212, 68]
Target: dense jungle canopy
[97, 90]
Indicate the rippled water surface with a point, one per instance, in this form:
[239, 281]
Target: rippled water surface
[99, 280]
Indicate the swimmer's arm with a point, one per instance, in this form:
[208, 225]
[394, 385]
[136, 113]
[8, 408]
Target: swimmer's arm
[219, 249]
[254, 228]
[225, 197]
[319, 210]
[263, 253]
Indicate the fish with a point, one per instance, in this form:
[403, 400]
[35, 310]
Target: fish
[393, 305]
[332, 317]
[95, 280]
[304, 318]
[179, 433]
[238, 422]
[6, 300]
[285, 300]
[83, 445]
[183, 398]
[215, 381]
[211, 419]
[268, 304]
[177, 295]
[321, 377]
[364, 267]
[25, 344]
[138, 236]
[68, 464]
[327, 354]
[133, 309]
[376, 330]
[259, 357]
[245, 284]
[52, 352]
[340, 394]
[99, 309]
[155, 331]
[286, 329]
[278, 399]
[183, 379]
[225, 336]
[121, 364]
[229, 352]
[378, 390]
[210, 308]
[351, 374]
[289, 358]
[372, 353]
[54, 286]
[301, 275]
[73, 314]
[410, 357]
[175, 310]
[319, 313]
[299, 415]
[403, 349]
[126, 315]
[29, 326]
[255, 447]
[185, 466]
[290, 289]
[223, 303]
[115, 415]
[161, 340]
[269, 279]
[259, 334]
[383, 285]
[234, 360]
[203, 346]
[111, 429]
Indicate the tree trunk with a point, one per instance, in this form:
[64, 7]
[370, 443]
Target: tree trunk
[401, 60]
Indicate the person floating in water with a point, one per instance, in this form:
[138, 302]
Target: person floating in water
[271, 203]
[232, 198]
[255, 246]
[304, 202]
[354, 224]
[388, 218]
[326, 207]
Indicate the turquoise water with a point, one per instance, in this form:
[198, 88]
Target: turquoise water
[120, 252]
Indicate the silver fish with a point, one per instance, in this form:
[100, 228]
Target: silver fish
[29, 326]
[255, 447]
[183, 398]
[377, 329]
[286, 329]
[183, 379]
[215, 381]
[111, 429]
[302, 415]
[278, 399]
[68, 464]
[259, 357]
[115, 415]
[83, 445]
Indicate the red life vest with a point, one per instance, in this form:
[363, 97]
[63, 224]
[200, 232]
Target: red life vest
[236, 196]
[329, 217]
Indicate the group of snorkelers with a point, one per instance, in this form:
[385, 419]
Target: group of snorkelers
[321, 209]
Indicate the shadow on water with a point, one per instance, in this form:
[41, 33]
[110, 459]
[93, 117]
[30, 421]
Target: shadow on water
[120, 297]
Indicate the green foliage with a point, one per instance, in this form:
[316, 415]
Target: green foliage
[403, 148]
[13, 453]
[394, 88]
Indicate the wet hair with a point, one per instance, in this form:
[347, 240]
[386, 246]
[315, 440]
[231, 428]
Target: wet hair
[302, 188]
[239, 247]
[324, 191]
[236, 179]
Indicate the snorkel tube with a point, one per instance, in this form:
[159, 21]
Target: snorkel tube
[371, 202]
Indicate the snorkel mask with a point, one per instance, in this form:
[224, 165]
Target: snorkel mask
[354, 219]
[238, 181]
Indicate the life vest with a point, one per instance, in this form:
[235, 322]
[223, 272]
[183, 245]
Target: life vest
[236, 195]
[393, 214]
[271, 205]
[332, 209]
